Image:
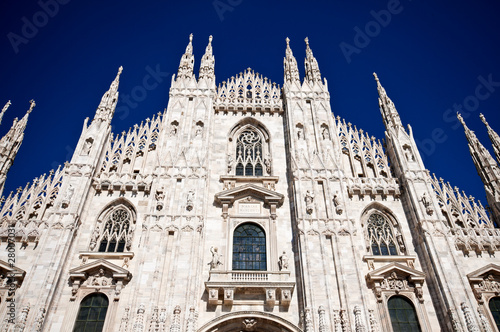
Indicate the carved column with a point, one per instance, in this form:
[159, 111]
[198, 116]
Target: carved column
[336, 321]
[455, 322]
[176, 320]
[125, 319]
[308, 323]
[471, 324]
[358, 320]
[192, 320]
[485, 325]
[322, 321]
[139, 319]
[373, 321]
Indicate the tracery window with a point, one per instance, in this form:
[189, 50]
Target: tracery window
[381, 236]
[92, 313]
[249, 159]
[403, 315]
[494, 305]
[249, 248]
[117, 232]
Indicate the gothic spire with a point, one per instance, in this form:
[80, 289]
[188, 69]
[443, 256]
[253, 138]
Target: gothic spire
[207, 62]
[3, 110]
[387, 108]
[495, 139]
[107, 106]
[187, 61]
[290, 64]
[312, 69]
[10, 144]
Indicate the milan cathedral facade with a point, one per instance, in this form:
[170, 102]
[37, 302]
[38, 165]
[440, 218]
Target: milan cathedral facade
[247, 206]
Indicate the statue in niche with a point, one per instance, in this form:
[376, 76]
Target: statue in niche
[283, 262]
[336, 203]
[309, 202]
[299, 134]
[214, 264]
[409, 156]
[173, 129]
[427, 204]
[325, 134]
[67, 196]
[87, 146]
[159, 195]
[190, 200]
[199, 130]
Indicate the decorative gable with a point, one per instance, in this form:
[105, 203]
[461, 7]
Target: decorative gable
[396, 278]
[485, 282]
[99, 275]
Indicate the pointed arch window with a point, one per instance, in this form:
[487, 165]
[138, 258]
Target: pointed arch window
[403, 315]
[249, 248]
[117, 232]
[92, 313]
[381, 236]
[249, 159]
[494, 306]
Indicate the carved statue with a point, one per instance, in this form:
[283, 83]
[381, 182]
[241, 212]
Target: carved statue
[67, 196]
[95, 236]
[309, 202]
[230, 162]
[173, 129]
[427, 204]
[325, 134]
[190, 199]
[249, 324]
[215, 258]
[267, 162]
[199, 130]
[99, 279]
[299, 134]
[87, 146]
[159, 195]
[283, 262]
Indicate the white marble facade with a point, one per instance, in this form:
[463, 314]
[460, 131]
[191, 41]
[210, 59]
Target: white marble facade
[248, 206]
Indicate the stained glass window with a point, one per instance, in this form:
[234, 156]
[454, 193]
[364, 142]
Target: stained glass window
[380, 236]
[403, 315]
[249, 248]
[249, 159]
[495, 310]
[92, 313]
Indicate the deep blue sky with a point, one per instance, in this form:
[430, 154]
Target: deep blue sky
[429, 57]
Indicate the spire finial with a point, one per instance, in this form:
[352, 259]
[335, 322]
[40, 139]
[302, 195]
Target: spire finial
[376, 77]
[210, 39]
[307, 41]
[287, 42]
[32, 106]
[461, 119]
[189, 47]
[6, 106]
[483, 119]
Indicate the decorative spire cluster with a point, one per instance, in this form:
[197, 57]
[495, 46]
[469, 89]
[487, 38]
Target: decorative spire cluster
[187, 62]
[290, 65]
[312, 69]
[10, 144]
[107, 106]
[4, 109]
[389, 113]
[207, 63]
[495, 139]
[481, 156]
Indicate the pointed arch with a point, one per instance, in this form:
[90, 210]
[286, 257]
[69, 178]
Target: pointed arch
[249, 149]
[115, 227]
[382, 231]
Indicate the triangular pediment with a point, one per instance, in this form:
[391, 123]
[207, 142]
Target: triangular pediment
[87, 269]
[399, 269]
[252, 190]
[479, 275]
[6, 269]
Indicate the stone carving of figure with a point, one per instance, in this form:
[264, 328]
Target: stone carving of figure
[267, 162]
[283, 262]
[299, 134]
[95, 236]
[213, 293]
[159, 195]
[309, 202]
[427, 204]
[198, 130]
[409, 156]
[215, 258]
[230, 162]
[87, 146]
[100, 279]
[69, 193]
[173, 129]
[336, 200]
[249, 324]
[190, 197]
[325, 133]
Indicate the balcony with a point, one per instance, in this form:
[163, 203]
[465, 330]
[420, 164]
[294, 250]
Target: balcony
[250, 287]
